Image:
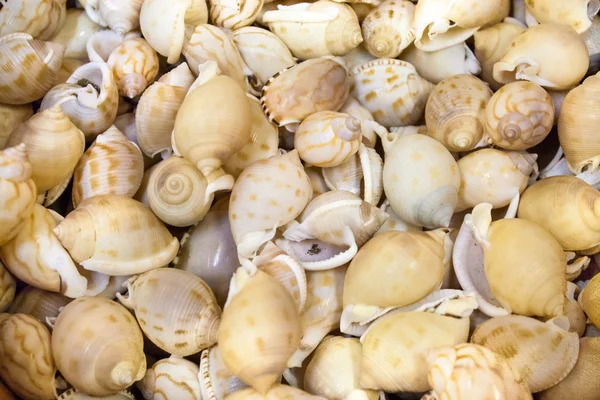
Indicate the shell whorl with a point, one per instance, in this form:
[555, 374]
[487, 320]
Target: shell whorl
[14, 163]
[464, 131]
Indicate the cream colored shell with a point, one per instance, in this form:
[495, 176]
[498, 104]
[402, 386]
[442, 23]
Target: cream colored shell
[121, 16]
[68, 67]
[387, 28]
[577, 14]
[74, 394]
[589, 300]
[135, 66]
[353, 108]
[171, 378]
[39, 18]
[8, 286]
[277, 392]
[38, 303]
[75, 33]
[359, 55]
[216, 381]
[10, 117]
[234, 14]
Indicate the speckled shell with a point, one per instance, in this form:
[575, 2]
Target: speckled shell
[391, 90]
[29, 67]
[8, 286]
[234, 15]
[75, 32]
[18, 191]
[536, 55]
[121, 16]
[268, 194]
[10, 117]
[387, 28]
[26, 361]
[134, 65]
[39, 18]
[116, 235]
[577, 14]
[216, 382]
[98, 361]
[315, 85]
[38, 303]
[172, 378]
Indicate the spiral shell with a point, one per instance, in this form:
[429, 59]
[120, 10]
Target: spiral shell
[578, 14]
[121, 16]
[387, 28]
[134, 65]
[38, 303]
[10, 117]
[28, 67]
[353, 108]
[8, 285]
[75, 33]
[216, 381]
[101, 361]
[39, 18]
[172, 378]
[236, 14]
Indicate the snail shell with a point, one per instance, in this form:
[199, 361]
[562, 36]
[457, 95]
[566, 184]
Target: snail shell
[39, 18]
[275, 393]
[26, 361]
[315, 85]
[134, 65]
[519, 115]
[38, 303]
[10, 117]
[111, 165]
[315, 174]
[574, 311]
[69, 66]
[103, 360]
[75, 33]
[18, 191]
[312, 30]
[387, 28]
[589, 300]
[394, 223]
[121, 16]
[455, 113]
[353, 108]
[116, 235]
[578, 14]
[172, 377]
[8, 286]
[391, 90]
[216, 382]
[28, 67]
[357, 56]
[234, 15]
[536, 55]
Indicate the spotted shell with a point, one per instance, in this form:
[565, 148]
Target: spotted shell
[39, 18]
[172, 378]
[387, 28]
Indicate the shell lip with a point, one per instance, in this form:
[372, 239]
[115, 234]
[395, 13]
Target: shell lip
[93, 93]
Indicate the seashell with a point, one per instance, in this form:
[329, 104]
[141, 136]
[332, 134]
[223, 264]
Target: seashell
[455, 112]
[362, 9]
[536, 55]
[519, 115]
[590, 38]
[574, 311]
[116, 235]
[111, 165]
[68, 67]
[75, 33]
[420, 179]
[576, 127]
[29, 67]
[493, 176]
[99, 362]
[8, 286]
[357, 56]
[172, 377]
[347, 176]
[39, 18]
[90, 98]
[263, 52]
[18, 191]
[120, 16]
[7, 394]
[490, 45]
[395, 348]
[268, 194]
[439, 24]
[589, 300]
[126, 124]
[10, 117]
[216, 382]
[263, 142]
[213, 123]
[391, 90]
[54, 145]
[234, 15]
[543, 354]
[394, 223]
[275, 393]
[74, 394]
[315, 174]
[26, 362]
[328, 138]
[470, 371]
[134, 65]
[353, 108]
[578, 15]
[260, 329]
[38, 303]
[312, 30]
[387, 28]
[101, 44]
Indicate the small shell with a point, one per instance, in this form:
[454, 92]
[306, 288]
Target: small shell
[39, 304]
[10, 117]
[121, 16]
[111, 165]
[39, 18]
[28, 67]
[312, 30]
[26, 361]
[519, 116]
[98, 361]
[172, 377]
[116, 235]
[134, 65]
[234, 14]
[455, 113]
[315, 85]
[216, 382]
[391, 90]
[577, 14]
[353, 108]
[387, 28]
[537, 55]
[75, 33]
[589, 300]
[8, 285]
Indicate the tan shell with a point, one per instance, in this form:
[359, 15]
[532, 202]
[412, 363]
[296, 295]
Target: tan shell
[171, 378]
[75, 33]
[39, 18]
[38, 303]
[26, 361]
[10, 117]
[536, 55]
[121, 16]
[353, 108]
[28, 67]
[455, 113]
[74, 394]
[277, 392]
[394, 223]
[358, 56]
[387, 28]
[234, 15]
[103, 361]
[8, 286]
[574, 311]
[135, 65]
[589, 300]
[216, 381]
[66, 70]
[116, 235]
[577, 14]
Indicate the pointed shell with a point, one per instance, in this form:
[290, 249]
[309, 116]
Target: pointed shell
[387, 28]
[172, 377]
[116, 235]
[39, 18]
[577, 14]
[134, 65]
[216, 381]
[10, 117]
[234, 14]
[353, 108]
[103, 361]
[75, 32]
[121, 16]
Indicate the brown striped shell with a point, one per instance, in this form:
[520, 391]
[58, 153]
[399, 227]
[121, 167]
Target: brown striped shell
[135, 66]
[39, 18]
[172, 378]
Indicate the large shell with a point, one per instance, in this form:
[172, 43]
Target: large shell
[519, 116]
[236, 14]
[268, 194]
[387, 28]
[10, 117]
[111, 165]
[455, 113]
[38, 303]
[391, 90]
[542, 353]
[75, 33]
[98, 360]
[8, 285]
[28, 67]
[577, 14]
[39, 18]
[172, 378]
[213, 123]
[134, 65]
[420, 179]
[216, 381]
[315, 85]
[26, 361]
[312, 30]
[116, 235]
[537, 56]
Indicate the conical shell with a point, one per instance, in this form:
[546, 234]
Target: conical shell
[134, 65]
[276, 393]
[537, 56]
[98, 346]
[391, 90]
[8, 285]
[26, 361]
[216, 381]
[312, 30]
[387, 28]
[75, 32]
[38, 303]
[39, 18]
[172, 377]
[353, 108]
[577, 14]
[121, 16]
[116, 235]
[234, 15]
[589, 300]
[455, 113]
[10, 117]
[28, 67]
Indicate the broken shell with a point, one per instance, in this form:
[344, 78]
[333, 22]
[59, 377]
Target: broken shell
[216, 382]
[589, 300]
[39, 18]
[134, 65]
[8, 285]
[39, 304]
[172, 377]
[234, 14]
[99, 362]
[10, 117]
[578, 15]
[121, 16]
[387, 28]
[75, 33]
[455, 112]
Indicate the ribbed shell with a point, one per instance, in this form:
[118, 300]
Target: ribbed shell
[387, 28]
[234, 15]
[10, 117]
[172, 378]
[75, 32]
[8, 286]
[39, 18]
[74, 394]
[38, 303]
[216, 382]
[135, 66]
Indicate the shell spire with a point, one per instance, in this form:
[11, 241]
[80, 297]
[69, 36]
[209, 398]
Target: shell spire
[14, 163]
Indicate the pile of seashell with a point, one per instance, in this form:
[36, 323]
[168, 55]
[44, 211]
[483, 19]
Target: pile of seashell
[299, 200]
